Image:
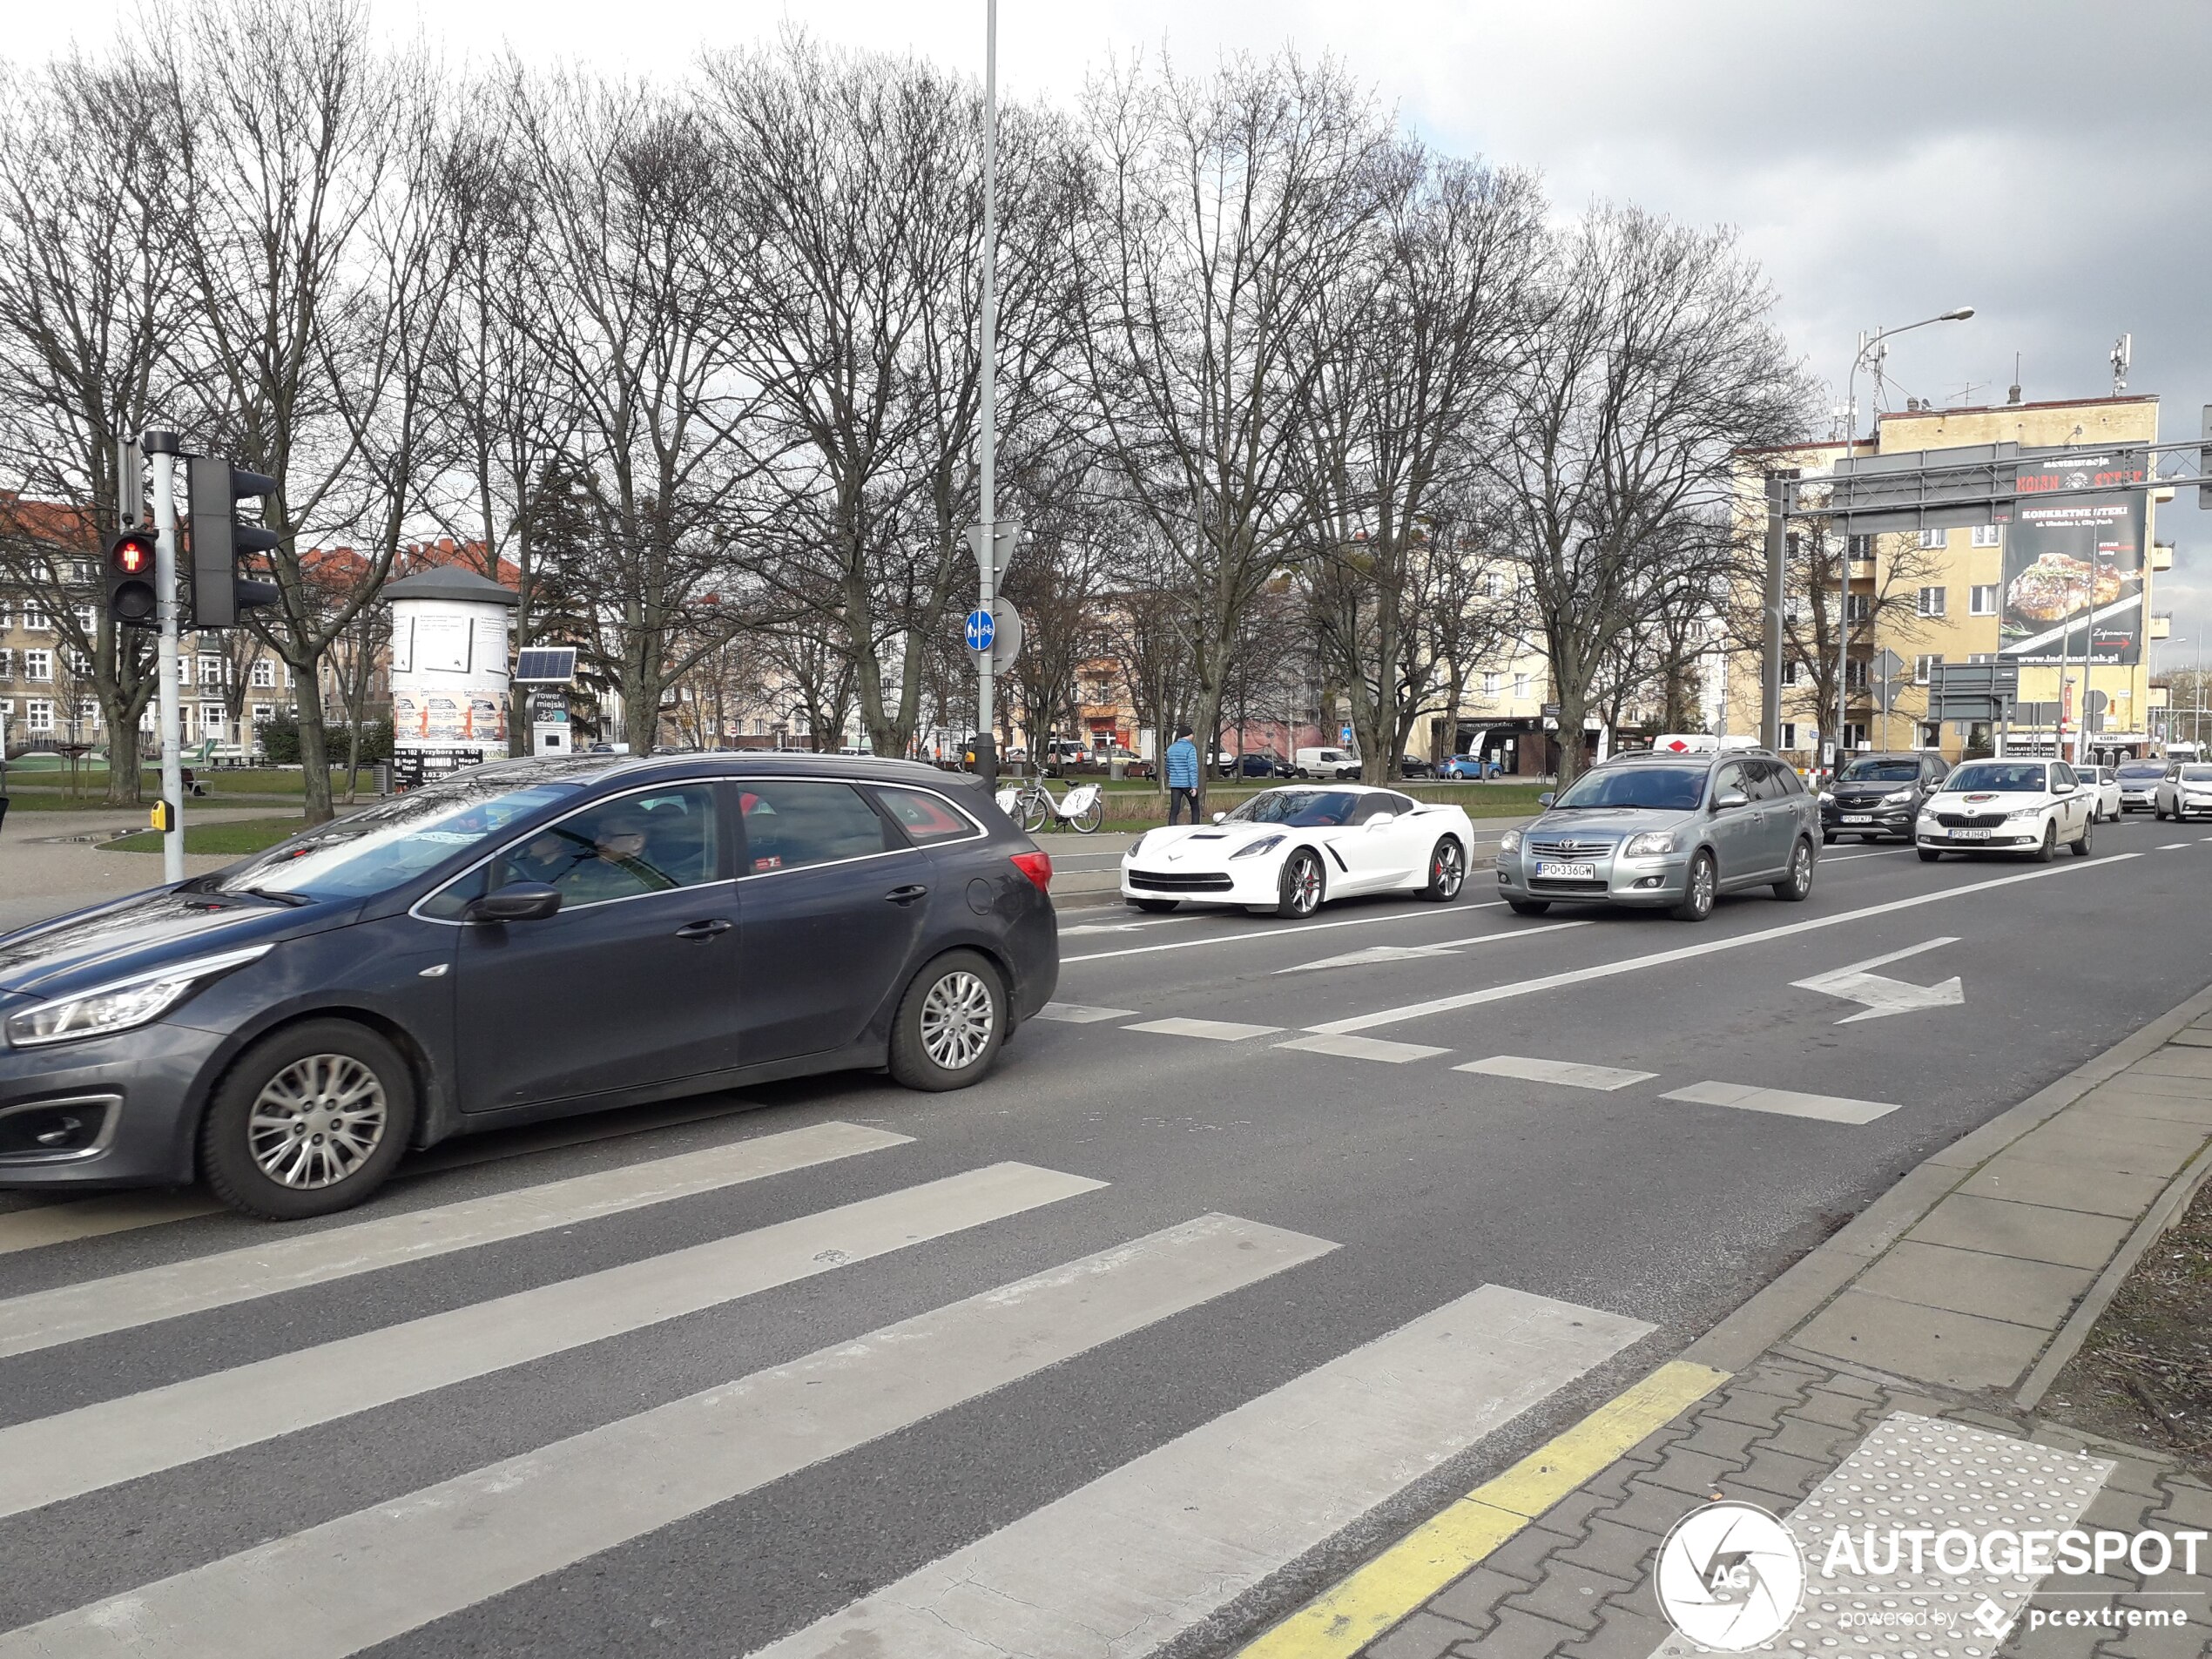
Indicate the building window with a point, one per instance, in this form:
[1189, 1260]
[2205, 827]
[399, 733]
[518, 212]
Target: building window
[263, 713]
[1793, 671]
[1982, 657]
[1934, 600]
[1987, 536]
[38, 714]
[35, 619]
[264, 672]
[210, 670]
[210, 719]
[183, 670]
[88, 621]
[1521, 684]
[1855, 674]
[88, 712]
[77, 663]
[1491, 682]
[1861, 547]
[1982, 600]
[1921, 665]
[1786, 734]
[1931, 734]
[1931, 538]
[7, 665]
[1858, 607]
[38, 664]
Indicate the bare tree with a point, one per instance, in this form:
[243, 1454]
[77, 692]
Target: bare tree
[1649, 359]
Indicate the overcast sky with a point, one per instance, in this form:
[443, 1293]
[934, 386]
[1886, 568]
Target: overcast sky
[2048, 163]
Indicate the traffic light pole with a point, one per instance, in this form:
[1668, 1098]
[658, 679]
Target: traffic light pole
[161, 447]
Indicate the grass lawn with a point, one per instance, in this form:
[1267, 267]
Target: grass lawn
[87, 800]
[243, 780]
[234, 840]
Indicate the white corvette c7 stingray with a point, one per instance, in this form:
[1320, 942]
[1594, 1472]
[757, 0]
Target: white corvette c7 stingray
[1286, 852]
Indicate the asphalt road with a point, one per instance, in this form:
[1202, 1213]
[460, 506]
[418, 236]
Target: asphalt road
[1376, 1188]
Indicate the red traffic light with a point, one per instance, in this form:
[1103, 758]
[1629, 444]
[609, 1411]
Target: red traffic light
[132, 555]
[131, 598]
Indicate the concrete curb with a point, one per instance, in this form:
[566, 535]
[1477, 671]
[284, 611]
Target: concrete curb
[1816, 1278]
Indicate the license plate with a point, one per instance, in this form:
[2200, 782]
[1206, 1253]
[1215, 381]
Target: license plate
[1970, 835]
[1858, 818]
[1550, 870]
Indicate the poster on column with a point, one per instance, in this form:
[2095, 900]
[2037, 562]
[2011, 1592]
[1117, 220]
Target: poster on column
[452, 695]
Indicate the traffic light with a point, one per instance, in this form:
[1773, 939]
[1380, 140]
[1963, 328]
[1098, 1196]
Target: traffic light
[219, 541]
[131, 598]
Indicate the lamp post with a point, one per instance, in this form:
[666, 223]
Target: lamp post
[1873, 349]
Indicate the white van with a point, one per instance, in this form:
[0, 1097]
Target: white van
[1327, 763]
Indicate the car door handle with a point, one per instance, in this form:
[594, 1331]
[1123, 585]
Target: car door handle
[906, 894]
[707, 930]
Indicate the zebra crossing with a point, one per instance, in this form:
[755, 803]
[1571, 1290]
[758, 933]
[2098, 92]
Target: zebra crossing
[1120, 1565]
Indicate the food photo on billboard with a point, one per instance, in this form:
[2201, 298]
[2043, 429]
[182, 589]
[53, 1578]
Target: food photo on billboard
[2073, 580]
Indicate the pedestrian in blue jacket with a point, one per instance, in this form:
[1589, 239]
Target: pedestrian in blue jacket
[1183, 775]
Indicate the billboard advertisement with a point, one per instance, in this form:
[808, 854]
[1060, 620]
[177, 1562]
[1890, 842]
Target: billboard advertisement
[2073, 579]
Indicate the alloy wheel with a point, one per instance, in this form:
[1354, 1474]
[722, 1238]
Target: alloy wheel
[1305, 885]
[317, 1121]
[1448, 870]
[956, 1021]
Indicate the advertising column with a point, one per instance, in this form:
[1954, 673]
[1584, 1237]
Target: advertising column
[450, 671]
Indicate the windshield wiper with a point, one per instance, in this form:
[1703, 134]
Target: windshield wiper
[295, 900]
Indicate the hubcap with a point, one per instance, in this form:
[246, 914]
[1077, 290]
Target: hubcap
[956, 1021]
[1305, 886]
[1702, 886]
[1446, 873]
[317, 1121]
[1801, 869]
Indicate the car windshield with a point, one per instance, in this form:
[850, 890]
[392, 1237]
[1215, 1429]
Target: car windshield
[1997, 777]
[1301, 808]
[1880, 772]
[1665, 788]
[2196, 774]
[391, 843]
[2142, 772]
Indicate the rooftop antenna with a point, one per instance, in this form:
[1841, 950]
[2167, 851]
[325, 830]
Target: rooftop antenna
[2123, 352]
[2012, 392]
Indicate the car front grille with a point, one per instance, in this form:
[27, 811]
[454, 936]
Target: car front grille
[1970, 821]
[1163, 882]
[1548, 884]
[1570, 849]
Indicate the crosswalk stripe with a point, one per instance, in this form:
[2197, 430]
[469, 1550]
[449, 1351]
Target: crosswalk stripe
[1076, 1013]
[1787, 1103]
[1531, 1069]
[285, 1262]
[53, 1458]
[1213, 1030]
[1396, 1054]
[1121, 1566]
[366, 1577]
[62, 1224]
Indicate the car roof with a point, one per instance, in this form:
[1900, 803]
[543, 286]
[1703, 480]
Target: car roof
[787, 763]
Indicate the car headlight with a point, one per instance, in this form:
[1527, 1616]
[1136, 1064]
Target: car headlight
[119, 1006]
[1251, 849]
[2027, 811]
[1827, 798]
[1897, 798]
[1134, 845]
[1510, 841]
[1650, 845]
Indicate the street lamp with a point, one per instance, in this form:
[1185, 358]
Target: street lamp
[1873, 350]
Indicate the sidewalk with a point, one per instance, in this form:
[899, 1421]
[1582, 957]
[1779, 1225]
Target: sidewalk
[50, 862]
[1888, 1380]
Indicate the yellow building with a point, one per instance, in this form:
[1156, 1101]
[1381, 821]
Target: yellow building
[1942, 596]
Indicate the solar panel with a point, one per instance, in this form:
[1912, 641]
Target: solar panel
[545, 665]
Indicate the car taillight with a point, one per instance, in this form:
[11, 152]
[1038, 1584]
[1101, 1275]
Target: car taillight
[1038, 867]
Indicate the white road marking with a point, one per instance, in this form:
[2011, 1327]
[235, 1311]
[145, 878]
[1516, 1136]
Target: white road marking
[287, 1261]
[1886, 996]
[53, 1458]
[1132, 927]
[1215, 1030]
[1121, 1566]
[1787, 1103]
[1364, 1049]
[1415, 953]
[1556, 1071]
[60, 1223]
[1847, 858]
[1076, 1013]
[1245, 936]
[2170, 847]
[1687, 953]
[380, 1572]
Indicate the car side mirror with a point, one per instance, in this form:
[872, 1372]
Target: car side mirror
[1221, 817]
[1544, 800]
[1382, 821]
[1729, 799]
[522, 901]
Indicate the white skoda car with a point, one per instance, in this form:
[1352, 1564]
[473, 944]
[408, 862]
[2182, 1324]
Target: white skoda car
[2007, 806]
[1286, 852]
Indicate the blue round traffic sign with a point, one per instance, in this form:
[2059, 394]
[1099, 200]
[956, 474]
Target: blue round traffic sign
[981, 629]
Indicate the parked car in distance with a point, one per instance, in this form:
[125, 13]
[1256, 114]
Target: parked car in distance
[526, 940]
[1258, 764]
[1286, 852]
[1669, 830]
[2139, 784]
[2185, 791]
[1468, 766]
[1326, 763]
[1414, 766]
[2009, 805]
[1875, 795]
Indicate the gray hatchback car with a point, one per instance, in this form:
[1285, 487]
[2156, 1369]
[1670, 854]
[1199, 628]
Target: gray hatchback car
[1672, 831]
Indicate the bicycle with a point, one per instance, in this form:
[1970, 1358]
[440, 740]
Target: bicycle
[1031, 806]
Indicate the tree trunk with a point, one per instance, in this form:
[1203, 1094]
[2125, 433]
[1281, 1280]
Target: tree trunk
[314, 747]
[121, 713]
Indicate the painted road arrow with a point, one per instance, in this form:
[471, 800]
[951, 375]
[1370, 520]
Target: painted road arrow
[1884, 996]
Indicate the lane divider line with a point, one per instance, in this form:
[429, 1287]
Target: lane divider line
[1385, 1591]
[1266, 935]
